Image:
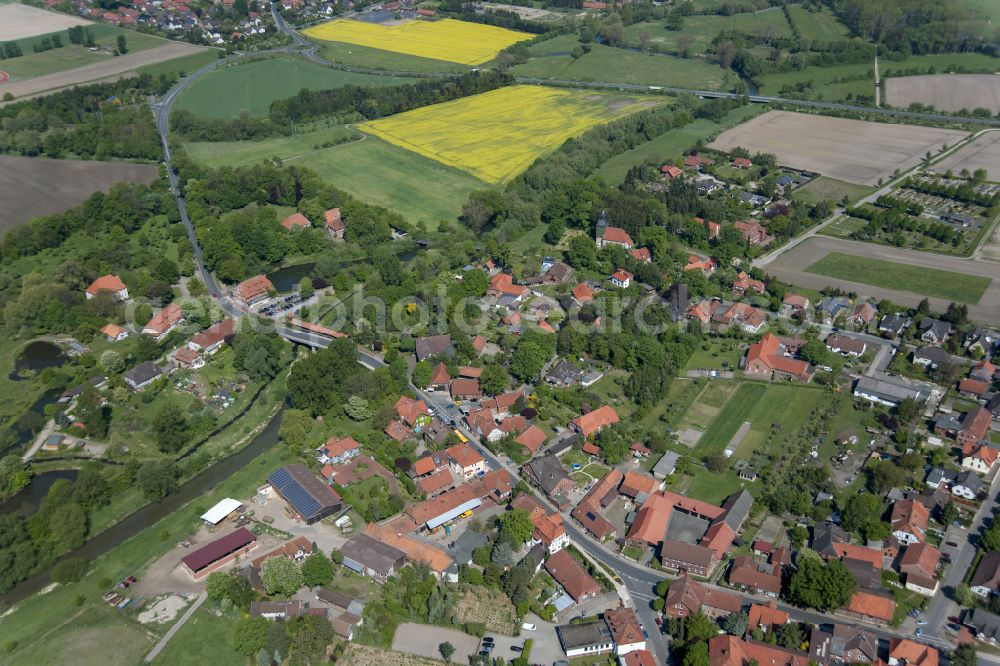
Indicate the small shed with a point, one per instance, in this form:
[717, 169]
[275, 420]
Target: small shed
[221, 511]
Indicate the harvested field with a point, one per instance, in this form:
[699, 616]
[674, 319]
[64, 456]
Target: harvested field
[20, 21]
[793, 267]
[855, 151]
[945, 92]
[108, 70]
[498, 134]
[448, 40]
[982, 153]
[33, 186]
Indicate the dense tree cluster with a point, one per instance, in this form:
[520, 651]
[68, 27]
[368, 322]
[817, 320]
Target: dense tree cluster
[917, 26]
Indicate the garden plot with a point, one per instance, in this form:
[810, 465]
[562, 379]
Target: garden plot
[855, 151]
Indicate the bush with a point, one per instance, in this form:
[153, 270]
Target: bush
[70, 571]
[477, 629]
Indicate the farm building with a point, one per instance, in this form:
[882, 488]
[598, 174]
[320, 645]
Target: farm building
[221, 511]
[309, 497]
[211, 556]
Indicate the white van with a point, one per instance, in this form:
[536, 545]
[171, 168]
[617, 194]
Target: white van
[528, 626]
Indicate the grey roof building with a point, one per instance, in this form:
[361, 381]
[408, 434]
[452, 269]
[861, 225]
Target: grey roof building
[825, 535]
[666, 465]
[933, 330]
[737, 508]
[433, 345]
[549, 475]
[142, 375]
[367, 555]
[985, 625]
[585, 638]
[889, 391]
[893, 324]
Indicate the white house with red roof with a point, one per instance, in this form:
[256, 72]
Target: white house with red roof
[621, 278]
[109, 283]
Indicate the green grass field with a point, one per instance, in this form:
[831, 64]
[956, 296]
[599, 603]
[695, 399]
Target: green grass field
[890, 275]
[376, 172]
[183, 65]
[830, 189]
[821, 26]
[33, 64]
[251, 87]
[827, 86]
[704, 28]
[605, 63]
[844, 227]
[983, 9]
[763, 405]
[205, 638]
[363, 56]
[671, 144]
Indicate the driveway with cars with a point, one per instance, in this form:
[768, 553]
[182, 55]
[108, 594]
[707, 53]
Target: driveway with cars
[545, 647]
[425, 640]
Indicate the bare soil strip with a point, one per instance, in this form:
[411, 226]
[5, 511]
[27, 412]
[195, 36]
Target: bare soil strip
[97, 71]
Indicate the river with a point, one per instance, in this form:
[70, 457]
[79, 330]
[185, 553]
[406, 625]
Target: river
[26, 501]
[148, 515]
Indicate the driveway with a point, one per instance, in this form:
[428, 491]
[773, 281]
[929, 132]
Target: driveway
[545, 647]
[424, 640]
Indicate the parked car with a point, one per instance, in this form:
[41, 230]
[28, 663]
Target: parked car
[528, 626]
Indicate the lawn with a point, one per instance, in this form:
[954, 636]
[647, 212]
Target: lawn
[448, 40]
[820, 26]
[374, 171]
[251, 87]
[33, 64]
[781, 412]
[715, 354]
[672, 144]
[844, 227]
[988, 10]
[362, 56]
[704, 28]
[183, 65]
[891, 275]
[831, 189]
[498, 134]
[609, 64]
[739, 408]
[205, 638]
[711, 487]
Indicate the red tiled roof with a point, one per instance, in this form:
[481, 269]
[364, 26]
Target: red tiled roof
[850, 551]
[910, 516]
[440, 375]
[921, 557]
[113, 330]
[338, 446]
[471, 372]
[333, 219]
[726, 650]
[670, 171]
[637, 482]
[568, 573]
[163, 320]
[214, 334]
[465, 387]
[593, 421]
[912, 653]
[641, 254]
[532, 439]
[767, 615]
[252, 288]
[766, 356]
[872, 605]
[435, 482]
[637, 657]
[106, 283]
[650, 524]
[591, 449]
[624, 626]
[464, 455]
[974, 386]
[622, 275]
[295, 220]
[617, 235]
[398, 431]
[583, 293]
[409, 410]
[186, 355]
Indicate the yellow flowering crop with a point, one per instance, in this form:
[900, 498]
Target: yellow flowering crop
[498, 134]
[449, 40]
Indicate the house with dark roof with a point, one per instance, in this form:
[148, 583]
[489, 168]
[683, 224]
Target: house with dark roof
[372, 557]
[893, 325]
[548, 473]
[307, 495]
[585, 638]
[933, 331]
[685, 596]
[142, 375]
[220, 552]
[846, 644]
[433, 345]
[986, 580]
[749, 575]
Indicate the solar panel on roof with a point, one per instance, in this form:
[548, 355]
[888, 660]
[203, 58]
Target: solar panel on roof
[290, 488]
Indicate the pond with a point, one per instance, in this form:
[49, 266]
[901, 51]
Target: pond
[287, 279]
[27, 500]
[37, 356]
[136, 522]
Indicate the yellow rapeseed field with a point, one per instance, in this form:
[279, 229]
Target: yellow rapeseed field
[498, 134]
[449, 40]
